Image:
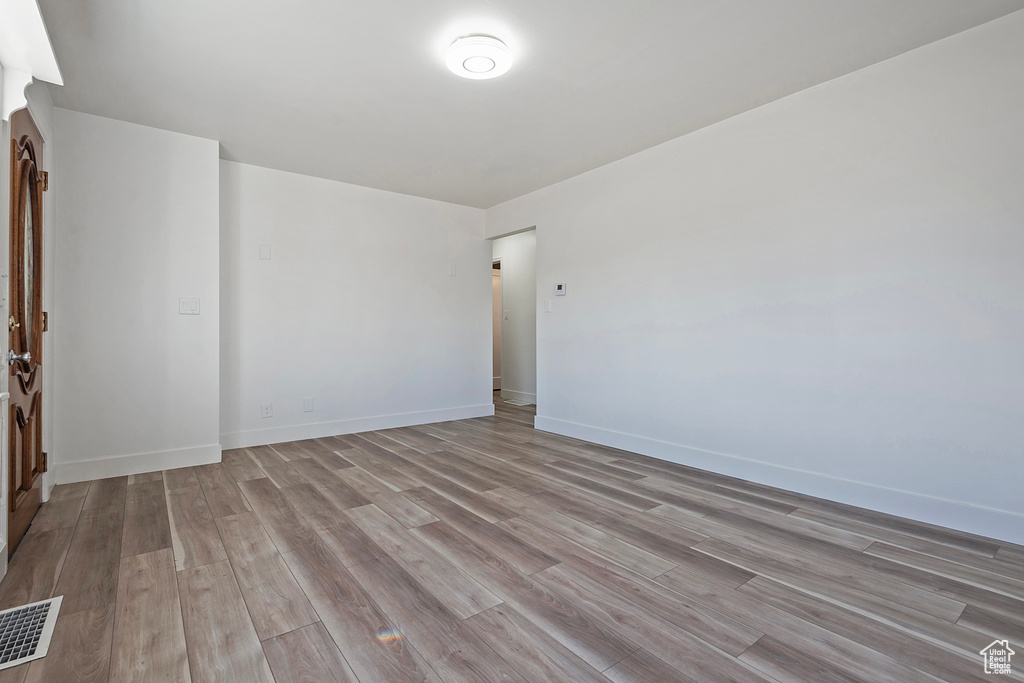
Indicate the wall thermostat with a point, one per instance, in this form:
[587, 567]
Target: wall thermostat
[560, 289]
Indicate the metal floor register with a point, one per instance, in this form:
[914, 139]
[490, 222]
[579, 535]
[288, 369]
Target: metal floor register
[25, 631]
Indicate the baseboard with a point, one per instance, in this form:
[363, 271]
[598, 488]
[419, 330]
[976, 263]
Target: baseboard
[994, 523]
[48, 482]
[518, 396]
[136, 463]
[496, 384]
[259, 437]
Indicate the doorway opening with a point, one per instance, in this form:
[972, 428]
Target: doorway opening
[514, 313]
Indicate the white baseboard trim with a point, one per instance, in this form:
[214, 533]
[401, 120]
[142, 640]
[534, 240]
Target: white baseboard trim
[976, 519]
[496, 384]
[518, 395]
[136, 463]
[49, 480]
[259, 437]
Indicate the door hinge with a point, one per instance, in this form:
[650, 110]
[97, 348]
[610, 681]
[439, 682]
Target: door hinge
[45, 177]
[46, 464]
[46, 321]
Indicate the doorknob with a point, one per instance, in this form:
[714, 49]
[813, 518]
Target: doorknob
[12, 356]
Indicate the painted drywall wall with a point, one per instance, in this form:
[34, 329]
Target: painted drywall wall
[518, 254]
[355, 308]
[822, 294]
[496, 328]
[136, 384]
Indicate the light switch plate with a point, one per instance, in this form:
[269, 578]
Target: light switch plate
[307, 405]
[188, 305]
[265, 252]
[451, 269]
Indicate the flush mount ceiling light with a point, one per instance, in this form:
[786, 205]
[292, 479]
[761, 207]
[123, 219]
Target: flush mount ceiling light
[479, 57]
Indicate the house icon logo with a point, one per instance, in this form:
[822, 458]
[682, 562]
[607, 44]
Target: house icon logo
[997, 657]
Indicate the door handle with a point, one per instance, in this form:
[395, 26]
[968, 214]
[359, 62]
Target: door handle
[12, 356]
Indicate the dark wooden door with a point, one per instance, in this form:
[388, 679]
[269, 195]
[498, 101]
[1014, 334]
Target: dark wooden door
[26, 326]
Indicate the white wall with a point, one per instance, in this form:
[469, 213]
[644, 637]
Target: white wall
[496, 328]
[355, 309]
[823, 294]
[136, 384]
[518, 254]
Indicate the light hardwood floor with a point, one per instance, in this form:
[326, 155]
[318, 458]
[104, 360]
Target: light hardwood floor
[482, 550]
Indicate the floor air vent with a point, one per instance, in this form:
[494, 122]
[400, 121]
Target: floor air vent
[25, 631]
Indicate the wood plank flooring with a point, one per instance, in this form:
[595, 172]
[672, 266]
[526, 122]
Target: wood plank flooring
[482, 550]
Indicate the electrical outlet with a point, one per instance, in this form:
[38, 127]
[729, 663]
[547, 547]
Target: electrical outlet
[307, 405]
[188, 305]
[267, 409]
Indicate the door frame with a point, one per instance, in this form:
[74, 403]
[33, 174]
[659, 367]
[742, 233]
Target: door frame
[534, 397]
[501, 317]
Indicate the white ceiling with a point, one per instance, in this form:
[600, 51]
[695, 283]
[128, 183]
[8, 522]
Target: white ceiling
[358, 91]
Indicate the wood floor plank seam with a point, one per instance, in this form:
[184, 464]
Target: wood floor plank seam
[279, 613]
[691, 616]
[574, 628]
[529, 650]
[842, 577]
[1009, 587]
[782, 603]
[358, 613]
[895, 623]
[227, 558]
[297, 628]
[92, 580]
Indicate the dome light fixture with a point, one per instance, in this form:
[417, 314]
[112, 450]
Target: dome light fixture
[478, 57]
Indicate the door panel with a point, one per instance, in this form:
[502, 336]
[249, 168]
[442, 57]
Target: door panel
[25, 326]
